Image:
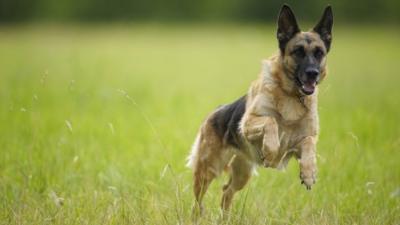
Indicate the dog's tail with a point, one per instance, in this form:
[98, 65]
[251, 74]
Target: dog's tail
[192, 158]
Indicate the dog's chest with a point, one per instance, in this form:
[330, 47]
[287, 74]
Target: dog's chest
[291, 110]
[291, 113]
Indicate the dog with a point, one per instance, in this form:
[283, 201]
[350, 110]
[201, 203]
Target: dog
[276, 120]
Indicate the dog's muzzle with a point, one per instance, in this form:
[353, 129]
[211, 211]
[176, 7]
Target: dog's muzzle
[308, 81]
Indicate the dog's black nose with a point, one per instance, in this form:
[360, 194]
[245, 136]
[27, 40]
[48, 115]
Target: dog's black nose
[312, 72]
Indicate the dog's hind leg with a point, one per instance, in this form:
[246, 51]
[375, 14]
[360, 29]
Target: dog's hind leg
[241, 169]
[201, 182]
[208, 160]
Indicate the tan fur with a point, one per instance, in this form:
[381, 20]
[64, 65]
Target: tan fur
[278, 123]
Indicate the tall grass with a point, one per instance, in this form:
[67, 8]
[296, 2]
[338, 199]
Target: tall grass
[96, 123]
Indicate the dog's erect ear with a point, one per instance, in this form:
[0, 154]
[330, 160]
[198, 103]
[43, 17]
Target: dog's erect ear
[287, 26]
[324, 27]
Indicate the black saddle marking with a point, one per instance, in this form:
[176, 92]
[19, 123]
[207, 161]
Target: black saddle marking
[226, 121]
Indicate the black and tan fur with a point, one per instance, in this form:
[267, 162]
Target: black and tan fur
[275, 120]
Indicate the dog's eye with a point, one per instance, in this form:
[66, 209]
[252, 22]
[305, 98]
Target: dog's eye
[318, 53]
[299, 52]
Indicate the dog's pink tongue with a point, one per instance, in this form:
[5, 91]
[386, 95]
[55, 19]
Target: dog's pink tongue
[309, 86]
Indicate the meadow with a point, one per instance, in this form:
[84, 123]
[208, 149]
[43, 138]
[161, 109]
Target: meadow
[96, 122]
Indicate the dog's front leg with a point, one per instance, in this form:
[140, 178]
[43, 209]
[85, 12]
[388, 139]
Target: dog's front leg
[263, 130]
[271, 143]
[308, 161]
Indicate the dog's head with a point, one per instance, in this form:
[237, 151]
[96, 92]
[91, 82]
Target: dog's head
[304, 53]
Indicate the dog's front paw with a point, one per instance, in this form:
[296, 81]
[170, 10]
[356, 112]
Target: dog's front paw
[308, 180]
[269, 159]
[308, 173]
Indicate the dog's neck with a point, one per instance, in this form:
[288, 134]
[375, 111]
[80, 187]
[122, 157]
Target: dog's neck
[282, 77]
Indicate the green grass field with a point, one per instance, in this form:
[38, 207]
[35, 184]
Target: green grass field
[96, 123]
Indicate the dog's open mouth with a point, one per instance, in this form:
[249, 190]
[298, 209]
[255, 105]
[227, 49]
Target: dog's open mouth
[308, 87]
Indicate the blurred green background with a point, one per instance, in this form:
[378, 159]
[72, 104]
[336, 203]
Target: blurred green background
[100, 102]
[181, 10]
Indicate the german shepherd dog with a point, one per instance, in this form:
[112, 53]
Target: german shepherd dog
[277, 118]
